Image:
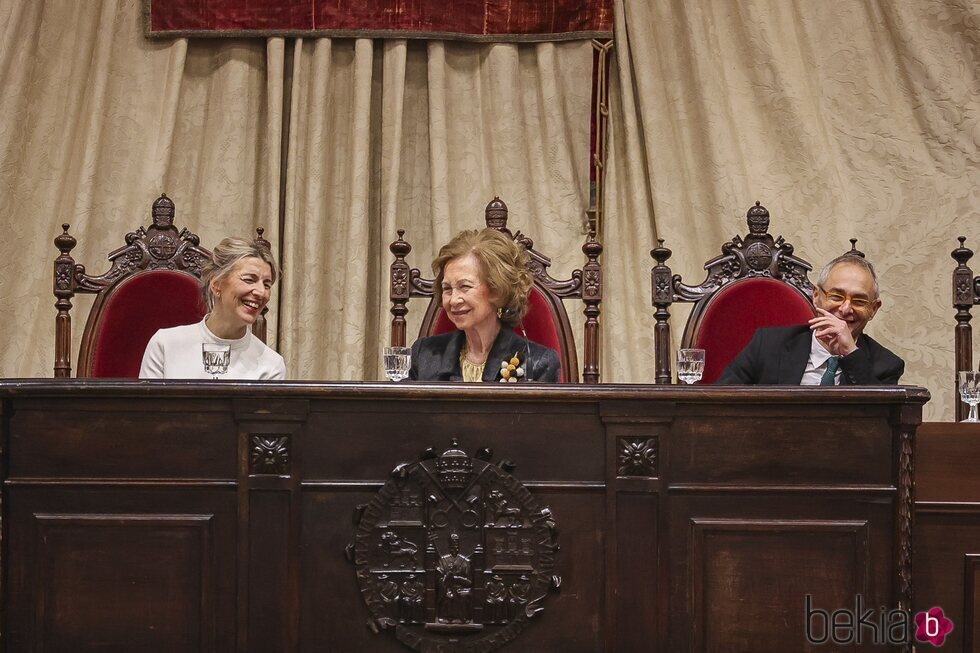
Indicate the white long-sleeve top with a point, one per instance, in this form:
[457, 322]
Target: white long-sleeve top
[175, 353]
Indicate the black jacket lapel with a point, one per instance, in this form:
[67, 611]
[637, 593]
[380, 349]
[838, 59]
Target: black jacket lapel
[792, 364]
[504, 347]
[449, 369]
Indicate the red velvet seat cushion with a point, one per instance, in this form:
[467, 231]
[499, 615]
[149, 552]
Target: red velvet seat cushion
[539, 323]
[735, 312]
[136, 308]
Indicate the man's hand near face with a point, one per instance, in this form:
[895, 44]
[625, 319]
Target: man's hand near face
[833, 333]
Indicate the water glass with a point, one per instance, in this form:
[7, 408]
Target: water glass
[216, 358]
[690, 365]
[397, 360]
[969, 384]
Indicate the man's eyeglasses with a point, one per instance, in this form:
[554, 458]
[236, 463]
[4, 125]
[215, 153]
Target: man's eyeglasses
[836, 298]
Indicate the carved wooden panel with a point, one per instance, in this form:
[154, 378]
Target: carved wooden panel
[122, 582]
[59, 444]
[970, 624]
[946, 550]
[745, 573]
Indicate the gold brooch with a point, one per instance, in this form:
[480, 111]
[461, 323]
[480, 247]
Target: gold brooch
[511, 371]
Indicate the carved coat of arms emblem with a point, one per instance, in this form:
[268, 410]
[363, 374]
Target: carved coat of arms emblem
[454, 553]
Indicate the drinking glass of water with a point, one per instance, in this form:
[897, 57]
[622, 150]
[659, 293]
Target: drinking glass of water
[216, 358]
[690, 365]
[970, 392]
[397, 362]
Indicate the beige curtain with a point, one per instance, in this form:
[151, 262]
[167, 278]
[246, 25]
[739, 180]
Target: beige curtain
[419, 136]
[338, 143]
[846, 118]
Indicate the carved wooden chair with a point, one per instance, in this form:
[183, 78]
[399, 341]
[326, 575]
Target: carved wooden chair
[153, 283]
[546, 321]
[966, 295]
[756, 282]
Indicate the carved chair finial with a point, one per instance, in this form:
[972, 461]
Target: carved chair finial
[163, 211]
[592, 247]
[496, 215]
[962, 254]
[757, 218]
[65, 242]
[660, 253]
[260, 240]
[400, 248]
[854, 251]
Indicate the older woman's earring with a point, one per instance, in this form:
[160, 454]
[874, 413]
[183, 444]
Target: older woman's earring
[500, 312]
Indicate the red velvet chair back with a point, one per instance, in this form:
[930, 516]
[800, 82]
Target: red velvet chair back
[731, 316]
[547, 320]
[756, 282]
[127, 315]
[153, 283]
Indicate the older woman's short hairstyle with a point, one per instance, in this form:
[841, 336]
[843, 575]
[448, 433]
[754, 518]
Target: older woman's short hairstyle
[849, 259]
[504, 265]
[225, 256]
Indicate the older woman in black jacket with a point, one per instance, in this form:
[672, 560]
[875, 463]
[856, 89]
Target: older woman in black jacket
[484, 280]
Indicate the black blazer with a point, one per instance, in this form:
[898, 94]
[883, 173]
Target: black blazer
[778, 356]
[436, 358]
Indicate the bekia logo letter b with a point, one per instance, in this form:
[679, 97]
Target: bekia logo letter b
[932, 626]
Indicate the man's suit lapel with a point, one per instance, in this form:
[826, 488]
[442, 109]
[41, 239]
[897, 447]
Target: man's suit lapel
[792, 364]
[862, 343]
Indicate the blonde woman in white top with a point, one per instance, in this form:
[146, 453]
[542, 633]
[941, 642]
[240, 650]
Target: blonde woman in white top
[236, 286]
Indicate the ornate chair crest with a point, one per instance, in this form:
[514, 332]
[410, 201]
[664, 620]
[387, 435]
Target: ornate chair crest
[552, 328]
[153, 282]
[756, 281]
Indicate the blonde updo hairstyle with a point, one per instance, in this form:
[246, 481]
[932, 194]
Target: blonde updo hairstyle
[225, 256]
[503, 263]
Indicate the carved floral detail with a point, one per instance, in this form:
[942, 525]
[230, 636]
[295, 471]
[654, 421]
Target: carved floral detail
[661, 285]
[194, 261]
[399, 281]
[638, 457]
[591, 282]
[269, 454]
[63, 276]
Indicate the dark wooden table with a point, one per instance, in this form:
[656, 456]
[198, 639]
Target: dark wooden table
[947, 527]
[155, 516]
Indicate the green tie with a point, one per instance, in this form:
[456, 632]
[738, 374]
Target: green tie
[828, 377]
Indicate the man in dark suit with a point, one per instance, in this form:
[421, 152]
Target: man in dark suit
[832, 349]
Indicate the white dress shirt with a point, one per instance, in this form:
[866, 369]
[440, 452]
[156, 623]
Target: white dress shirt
[817, 364]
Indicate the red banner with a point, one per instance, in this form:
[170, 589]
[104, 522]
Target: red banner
[467, 20]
